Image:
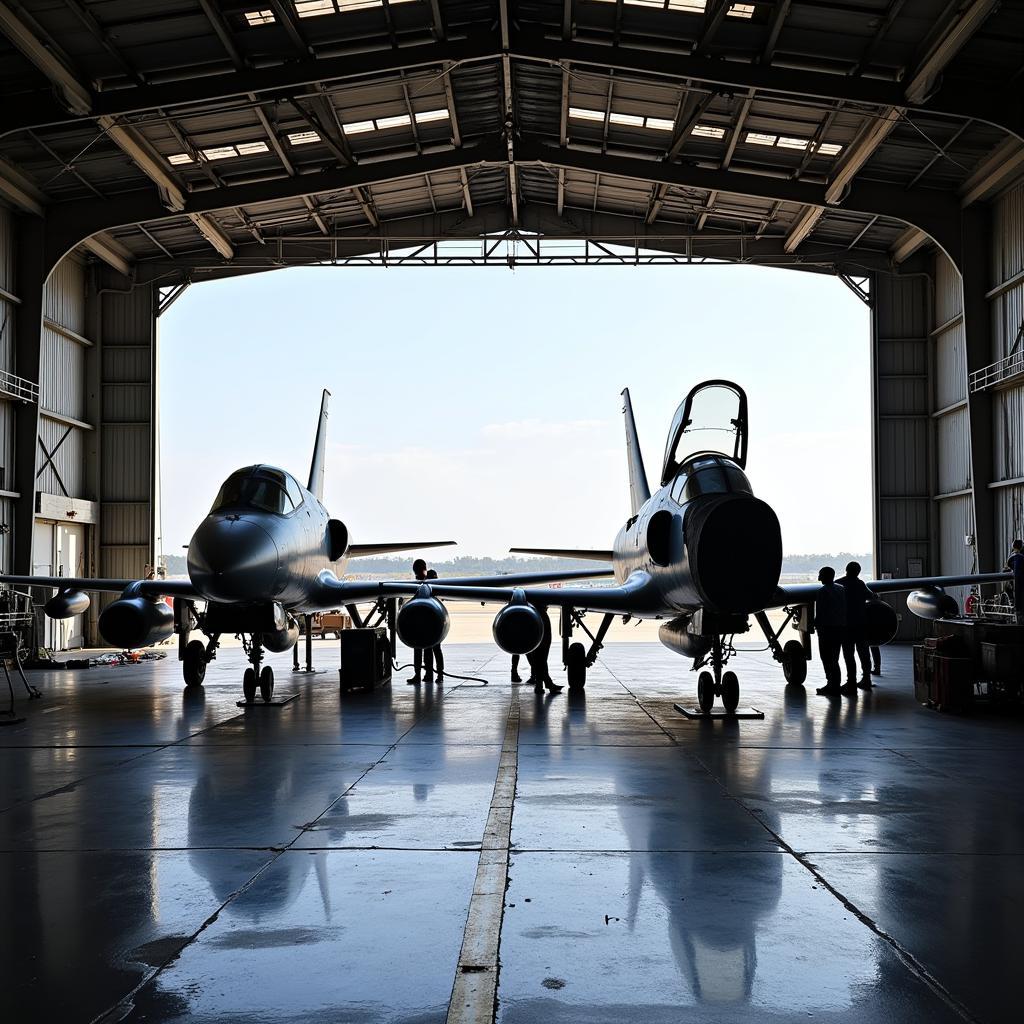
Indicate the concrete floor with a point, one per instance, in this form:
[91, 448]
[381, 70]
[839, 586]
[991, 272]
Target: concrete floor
[168, 859]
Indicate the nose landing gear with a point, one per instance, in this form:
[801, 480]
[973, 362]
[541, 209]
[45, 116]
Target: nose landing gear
[255, 676]
[719, 684]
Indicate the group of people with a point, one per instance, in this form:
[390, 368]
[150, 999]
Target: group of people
[841, 621]
[426, 660]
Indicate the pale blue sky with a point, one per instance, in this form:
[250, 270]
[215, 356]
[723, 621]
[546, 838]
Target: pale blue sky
[482, 405]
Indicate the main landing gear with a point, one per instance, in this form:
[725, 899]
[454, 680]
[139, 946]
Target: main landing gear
[794, 654]
[194, 659]
[255, 676]
[575, 656]
[717, 683]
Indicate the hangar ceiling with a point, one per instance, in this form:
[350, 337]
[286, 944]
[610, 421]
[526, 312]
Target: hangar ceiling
[193, 138]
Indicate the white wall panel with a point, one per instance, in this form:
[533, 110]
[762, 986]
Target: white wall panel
[1008, 234]
[65, 473]
[956, 521]
[1009, 516]
[64, 301]
[953, 448]
[950, 366]
[1008, 415]
[62, 375]
[6, 249]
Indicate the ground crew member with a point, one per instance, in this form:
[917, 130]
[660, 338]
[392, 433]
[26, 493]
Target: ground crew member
[434, 655]
[855, 641]
[830, 624]
[538, 658]
[419, 572]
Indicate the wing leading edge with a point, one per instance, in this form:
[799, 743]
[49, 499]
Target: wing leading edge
[148, 588]
[805, 593]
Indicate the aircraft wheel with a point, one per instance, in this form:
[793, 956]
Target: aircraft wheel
[706, 691]
[249, 686]
[794, 662]
[730, 692]
[193, 665]
[576, 667]
[267, 683]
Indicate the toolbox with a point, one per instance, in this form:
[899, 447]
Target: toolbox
[365, 658]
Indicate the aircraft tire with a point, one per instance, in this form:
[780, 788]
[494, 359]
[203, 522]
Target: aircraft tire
[576, 667]
[193, 664]
[249, 685]
[267, 683]
[730, 692]
[794, 662]
[706, 692]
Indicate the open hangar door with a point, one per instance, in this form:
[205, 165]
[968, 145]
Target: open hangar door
[881, 149]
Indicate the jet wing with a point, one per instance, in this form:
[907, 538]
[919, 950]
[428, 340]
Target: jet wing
[805, 593]
[588, 554]
[149, 588]
[363, 550]
[634, 597]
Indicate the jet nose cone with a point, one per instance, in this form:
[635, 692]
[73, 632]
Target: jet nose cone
[233, 559]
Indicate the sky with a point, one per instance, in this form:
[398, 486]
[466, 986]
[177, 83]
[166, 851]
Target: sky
[482, 405]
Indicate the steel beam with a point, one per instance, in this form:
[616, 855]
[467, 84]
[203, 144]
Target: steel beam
[907, 244]
[213, 233]
[73, 93]
[20, 191]
[1005, 163]
[954, 98]
[110, 251]
[937, 215]
[28, 330]
[975, 276]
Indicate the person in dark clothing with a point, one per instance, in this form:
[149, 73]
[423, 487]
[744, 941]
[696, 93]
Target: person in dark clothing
[516, 678]
[419, 572]
[1015, 563]
[830, 623]
[876, 661]
[434, 655]
[538, 658]
[855, 640]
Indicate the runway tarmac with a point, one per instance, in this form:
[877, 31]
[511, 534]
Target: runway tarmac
[164, 859]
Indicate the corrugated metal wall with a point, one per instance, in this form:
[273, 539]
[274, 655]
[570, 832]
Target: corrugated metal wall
[1007, 297]
[127, 401]
[8, 312]
[62, 384]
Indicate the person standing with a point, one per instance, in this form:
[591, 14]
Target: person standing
[1015, 563]
[855, 639]
[876, 661]
[434, 655]
[419, 572]
[830, 624]
[538, 658]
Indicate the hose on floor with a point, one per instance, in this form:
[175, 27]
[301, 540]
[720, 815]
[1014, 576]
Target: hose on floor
[446, 673]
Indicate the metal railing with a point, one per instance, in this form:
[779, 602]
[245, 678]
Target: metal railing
[1004, 370]
[17, 387]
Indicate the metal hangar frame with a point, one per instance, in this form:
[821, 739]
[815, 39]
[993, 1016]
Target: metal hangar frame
[148, 145]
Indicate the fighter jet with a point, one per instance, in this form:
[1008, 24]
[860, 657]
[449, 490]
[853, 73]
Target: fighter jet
[267, 552]
[701, 552]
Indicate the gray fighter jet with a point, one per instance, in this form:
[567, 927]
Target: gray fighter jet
[267, 552]
[701, 552]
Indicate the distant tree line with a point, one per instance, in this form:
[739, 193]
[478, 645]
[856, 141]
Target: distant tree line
[469, 565]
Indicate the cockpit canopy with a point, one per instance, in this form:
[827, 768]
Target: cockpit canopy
[712, 419]
[259, 489]
[708, 474]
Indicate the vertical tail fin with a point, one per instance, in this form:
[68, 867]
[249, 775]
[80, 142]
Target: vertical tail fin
[639, 489]
[316, 468]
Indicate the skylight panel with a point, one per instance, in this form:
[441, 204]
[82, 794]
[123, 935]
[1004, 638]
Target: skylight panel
[760, 139]
[689, 6]
[741, 11]
[789, 142]
[179, 158]
[251, 148]
[314, 8]
[830, 148]
[303, 138]
[220, 152]
[585, 114]
[708, 131]
[399, 121]
[631, 120]
[660, 124]
[261, 17]
[426, 116]
[358, 127]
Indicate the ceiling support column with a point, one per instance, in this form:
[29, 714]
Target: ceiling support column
[975, 278]
[31, 285]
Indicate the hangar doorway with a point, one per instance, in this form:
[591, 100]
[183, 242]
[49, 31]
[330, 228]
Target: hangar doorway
[59, 549]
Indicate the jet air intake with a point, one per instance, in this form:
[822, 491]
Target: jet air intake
[136, 622]
[518, 628]
[422, 621]
[734, 551]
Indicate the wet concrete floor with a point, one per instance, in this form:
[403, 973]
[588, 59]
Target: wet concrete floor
[167, 859]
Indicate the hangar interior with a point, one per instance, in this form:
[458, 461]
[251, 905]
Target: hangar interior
[467, 854]
[149, 146]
